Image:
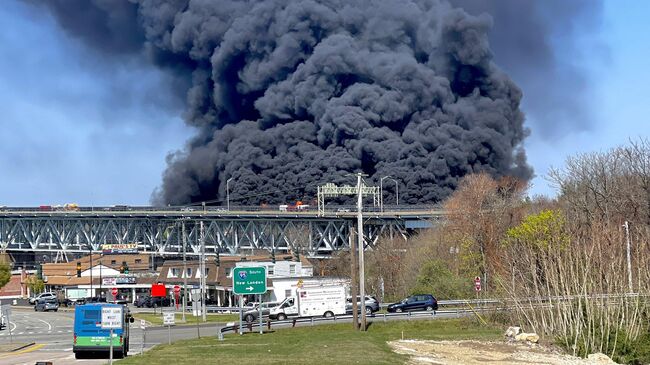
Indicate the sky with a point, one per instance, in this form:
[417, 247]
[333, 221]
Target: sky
[60, 142]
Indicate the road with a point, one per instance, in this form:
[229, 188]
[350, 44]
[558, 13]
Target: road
[52, 333]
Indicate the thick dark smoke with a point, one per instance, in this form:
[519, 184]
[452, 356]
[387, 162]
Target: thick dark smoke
[287, 95]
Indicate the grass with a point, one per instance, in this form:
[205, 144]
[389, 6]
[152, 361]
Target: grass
[157, 319]
[326, 344]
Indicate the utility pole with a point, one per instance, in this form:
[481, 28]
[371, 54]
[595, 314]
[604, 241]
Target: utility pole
[184, 270]
[353, 280]
[362, 278]
[202, 266]
[92, 293]
[629, 258]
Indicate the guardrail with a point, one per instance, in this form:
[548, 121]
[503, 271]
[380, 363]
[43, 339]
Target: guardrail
[269, 324]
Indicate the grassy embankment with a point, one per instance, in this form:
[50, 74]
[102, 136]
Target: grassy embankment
[157, 319]
[326, 344]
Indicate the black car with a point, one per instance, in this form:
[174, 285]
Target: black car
[415, 302]
[153, 302]
[141, 302]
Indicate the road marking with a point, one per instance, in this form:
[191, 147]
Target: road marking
[49, 327]
[24, 351]
[12, 324]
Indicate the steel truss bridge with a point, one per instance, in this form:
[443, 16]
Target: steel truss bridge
[228, 233]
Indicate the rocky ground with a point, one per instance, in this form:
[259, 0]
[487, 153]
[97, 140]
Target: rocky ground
[483, 352]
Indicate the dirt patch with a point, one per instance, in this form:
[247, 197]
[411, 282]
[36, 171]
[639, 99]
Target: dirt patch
[483, 352]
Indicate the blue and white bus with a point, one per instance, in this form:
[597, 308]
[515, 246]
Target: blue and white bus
[90, 338]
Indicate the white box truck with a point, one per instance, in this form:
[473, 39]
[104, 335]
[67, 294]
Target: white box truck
[314, 301]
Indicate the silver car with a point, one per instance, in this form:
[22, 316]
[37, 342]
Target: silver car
[42, 296]
[46, 305]
[252, 314]
[371, 305]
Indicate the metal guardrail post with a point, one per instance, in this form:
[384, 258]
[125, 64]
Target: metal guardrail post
[409, 316]
[312, 321]
[385, 317]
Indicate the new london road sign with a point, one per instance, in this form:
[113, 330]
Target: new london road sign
[249, 280]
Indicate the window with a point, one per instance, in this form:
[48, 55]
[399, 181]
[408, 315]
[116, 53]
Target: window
[271, 270]
[113, 262]
[228, 272]
[287, 293]
[198, 273]
[188, 273]
[292, 269]
[173, 272]
[138, 261]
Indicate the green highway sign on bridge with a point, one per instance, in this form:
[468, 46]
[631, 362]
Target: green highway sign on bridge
[249, 280]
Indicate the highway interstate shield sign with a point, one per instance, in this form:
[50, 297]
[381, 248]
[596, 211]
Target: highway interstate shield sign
[249, 280]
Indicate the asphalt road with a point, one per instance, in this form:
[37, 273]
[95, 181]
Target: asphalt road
[52, 333]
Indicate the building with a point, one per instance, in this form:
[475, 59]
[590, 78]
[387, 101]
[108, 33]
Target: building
[219, 278]
[131, 274]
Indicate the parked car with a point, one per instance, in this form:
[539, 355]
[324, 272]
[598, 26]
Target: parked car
[252, 314]
[46, 295]
[141, 302]
[92, 300]
[153, 302]
[121, 299]
[159, 302]
[415, 302]
[371, 304]
[45, 305]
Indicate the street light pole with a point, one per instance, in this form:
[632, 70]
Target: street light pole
[184, 270]
[362, 279]
[629, 258]
[202, 266]
[228, 193]
[381, 192]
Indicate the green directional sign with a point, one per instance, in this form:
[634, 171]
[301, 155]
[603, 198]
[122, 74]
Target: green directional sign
[249, 280]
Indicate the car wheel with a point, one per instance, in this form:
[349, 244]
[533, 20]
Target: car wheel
[429, 308]
[249, 318]
[282, 317]
[56, 310]
[398, 310]
[328, 314]
[368, 310]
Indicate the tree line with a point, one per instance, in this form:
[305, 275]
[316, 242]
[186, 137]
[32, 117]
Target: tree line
[561, 263]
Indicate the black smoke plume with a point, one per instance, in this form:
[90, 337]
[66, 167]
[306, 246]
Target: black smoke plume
[288, 95]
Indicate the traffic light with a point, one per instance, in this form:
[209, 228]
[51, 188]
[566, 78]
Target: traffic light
[218, 259]
[78, 269]
[296, 255]
[273, 256]
[39, 271]
[124, 269]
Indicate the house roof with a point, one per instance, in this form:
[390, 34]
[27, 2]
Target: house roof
[136, 263]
